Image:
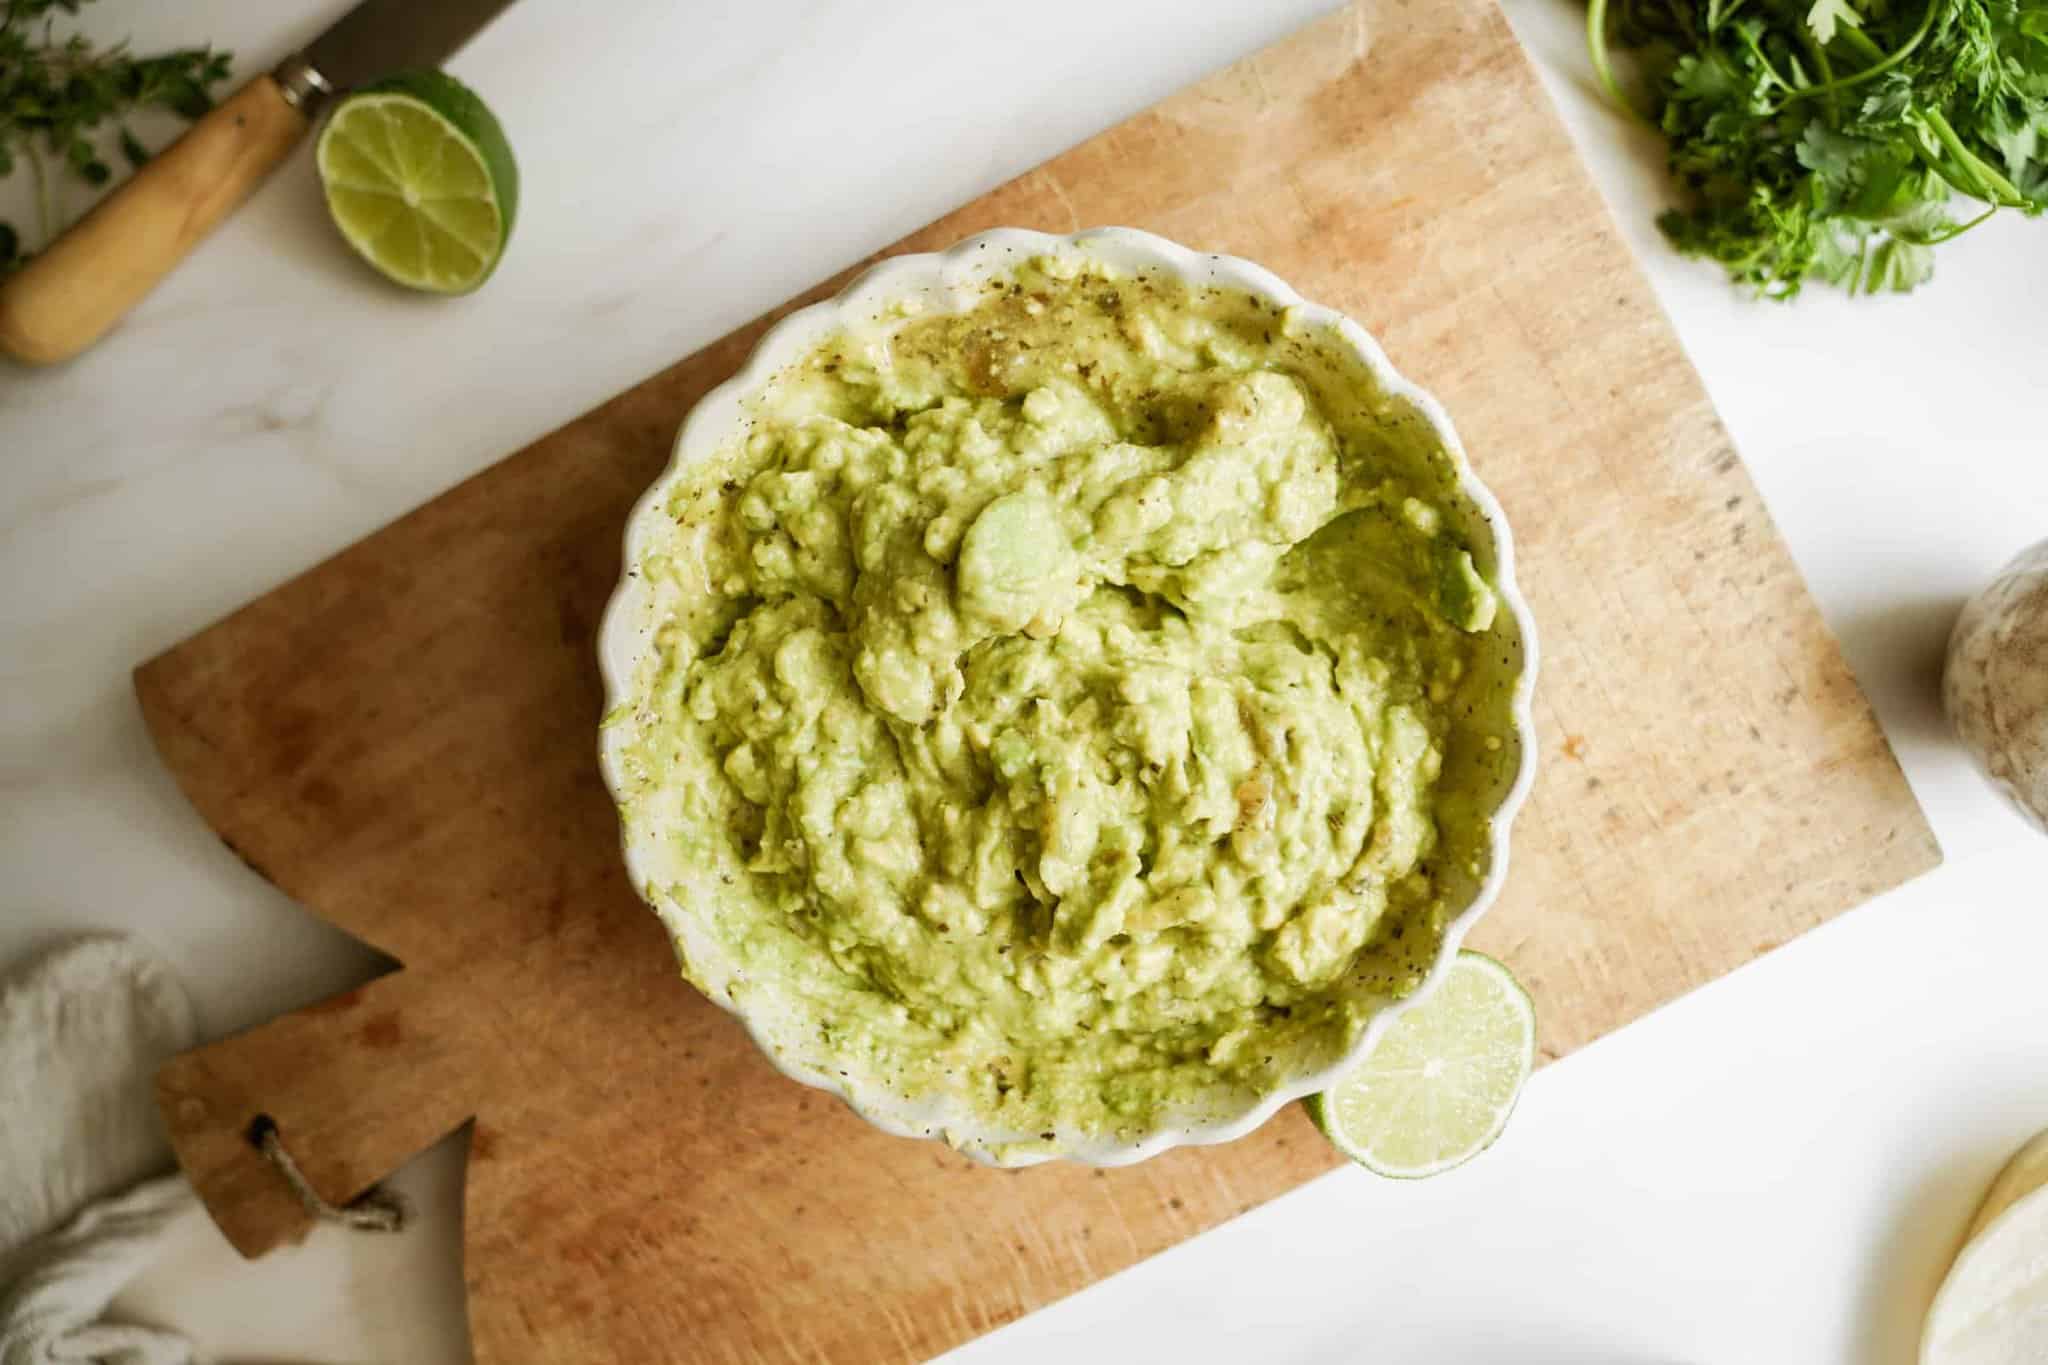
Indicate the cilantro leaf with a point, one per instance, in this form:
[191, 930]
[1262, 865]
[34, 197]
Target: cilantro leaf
[1825, 15]
[1826, 139]
[1896, 266]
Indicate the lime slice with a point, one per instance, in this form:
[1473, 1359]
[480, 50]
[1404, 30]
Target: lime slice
[1439, 1087]
[420, 180]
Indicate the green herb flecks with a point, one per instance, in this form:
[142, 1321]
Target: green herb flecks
[57, 96]
[1829, 139]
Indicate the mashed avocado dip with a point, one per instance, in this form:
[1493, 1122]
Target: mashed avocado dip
[1059, 693]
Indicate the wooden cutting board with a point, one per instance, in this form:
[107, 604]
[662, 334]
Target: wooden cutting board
[403, 739]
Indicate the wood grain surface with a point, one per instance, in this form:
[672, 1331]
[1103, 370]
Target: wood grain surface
[404, 738]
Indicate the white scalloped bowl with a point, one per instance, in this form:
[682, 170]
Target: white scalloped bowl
[952, 281]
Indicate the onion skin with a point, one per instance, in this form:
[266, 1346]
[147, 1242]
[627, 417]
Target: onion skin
[1995, 687]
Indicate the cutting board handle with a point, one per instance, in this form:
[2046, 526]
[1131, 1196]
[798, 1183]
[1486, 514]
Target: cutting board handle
[355, 1086]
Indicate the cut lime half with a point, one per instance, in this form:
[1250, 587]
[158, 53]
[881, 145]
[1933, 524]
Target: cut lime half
[420, 180]
[1439, 1086]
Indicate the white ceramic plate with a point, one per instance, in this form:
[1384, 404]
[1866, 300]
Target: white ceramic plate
[951, 281]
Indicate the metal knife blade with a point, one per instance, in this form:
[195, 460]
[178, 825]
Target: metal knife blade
[382, 37]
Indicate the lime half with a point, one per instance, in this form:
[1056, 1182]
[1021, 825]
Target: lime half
[1438, 1088]
[420, 180]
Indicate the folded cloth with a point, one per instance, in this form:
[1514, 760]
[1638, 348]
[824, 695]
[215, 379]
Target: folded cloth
[50, 1314]
[82, 1030]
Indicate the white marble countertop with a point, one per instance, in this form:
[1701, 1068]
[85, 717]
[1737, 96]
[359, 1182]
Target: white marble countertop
[1786, 1156]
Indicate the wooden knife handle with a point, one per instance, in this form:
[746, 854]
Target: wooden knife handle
[67, 297]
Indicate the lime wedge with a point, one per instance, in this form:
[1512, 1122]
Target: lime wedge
[420, 180]
[1439, 1087]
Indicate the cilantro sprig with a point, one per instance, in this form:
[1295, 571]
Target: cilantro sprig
[57, 97]
[1831, 139]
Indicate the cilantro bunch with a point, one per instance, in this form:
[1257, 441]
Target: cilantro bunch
[56, 95]
[1832, 139]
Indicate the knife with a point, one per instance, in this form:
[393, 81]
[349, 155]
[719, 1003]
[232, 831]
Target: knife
[72, 291]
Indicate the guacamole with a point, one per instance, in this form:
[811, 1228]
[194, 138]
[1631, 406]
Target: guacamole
[1055, 697]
